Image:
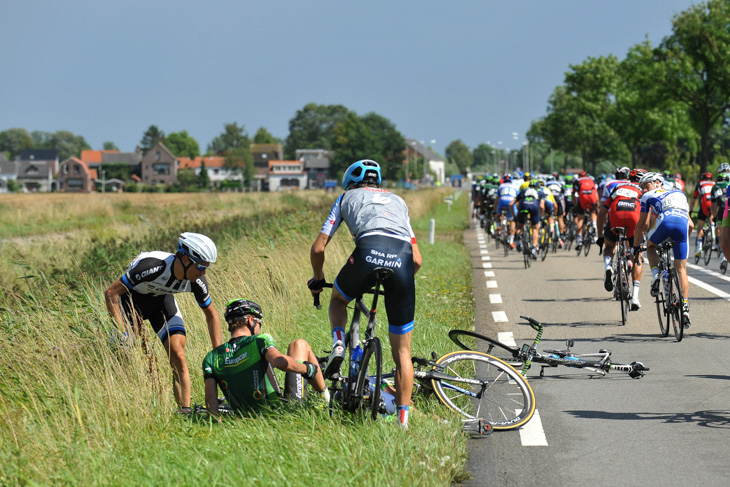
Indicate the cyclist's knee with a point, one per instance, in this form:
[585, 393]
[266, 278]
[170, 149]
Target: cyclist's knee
[299, 349]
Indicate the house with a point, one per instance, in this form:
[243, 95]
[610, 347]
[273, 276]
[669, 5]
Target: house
[415, 150]
[286, 175]
[262, 154]
[159, 166]
[215, 166]
[8, 171]
[95, 158]
[75, 176]
[316, 165]
[35, 176]
[49, 156]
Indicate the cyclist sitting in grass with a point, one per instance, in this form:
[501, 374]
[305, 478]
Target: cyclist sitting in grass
[378, 221]
[241, 367]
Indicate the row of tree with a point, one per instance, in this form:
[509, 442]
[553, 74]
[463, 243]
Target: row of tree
[332, 127]
[661, 107]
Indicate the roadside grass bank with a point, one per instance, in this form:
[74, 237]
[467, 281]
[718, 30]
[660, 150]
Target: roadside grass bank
[76, 411]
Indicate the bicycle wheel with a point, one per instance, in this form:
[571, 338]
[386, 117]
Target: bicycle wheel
[473, 341]
[623, 283]
[587, 240]
[477, 385]
[554, 242]
[370, 378]
[676, 305]
[544, 243]
[662, 309]
[707, 249]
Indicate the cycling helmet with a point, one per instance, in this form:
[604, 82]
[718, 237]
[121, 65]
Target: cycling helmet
[364, 170]
[650, 177]
[706, 176]
[238, 309]
[723, 177]
[534, 183]
[555, 176]
[582, 174]
[623, 172]
[517, 175]
[507, 178]
[636, 174]
[724, 167]
[528, 175]
[198, 247]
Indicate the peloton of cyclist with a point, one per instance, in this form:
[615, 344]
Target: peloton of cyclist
[506, 193]
[556, 188]
[703, 192]
[585, 199]
[241, 367]
[378, 221]
[530, 202]
[664, 214]
[621, 209]
[146, 292]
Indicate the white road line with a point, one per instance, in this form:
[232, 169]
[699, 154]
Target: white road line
[486, 265]
[499, 316]
[495, 298]
[507, 337]
[488, 273]
[532, 433]
[483, 252]
[707, 287]
[710, 272]
[491, 284]
[486, 257]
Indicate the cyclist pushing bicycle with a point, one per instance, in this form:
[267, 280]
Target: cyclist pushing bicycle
[378, 221]
[664, 215]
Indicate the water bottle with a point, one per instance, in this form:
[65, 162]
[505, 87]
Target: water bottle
[355, 361]
[665, 281]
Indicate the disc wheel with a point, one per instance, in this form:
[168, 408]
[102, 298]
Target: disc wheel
[370, 378]
[477, 385]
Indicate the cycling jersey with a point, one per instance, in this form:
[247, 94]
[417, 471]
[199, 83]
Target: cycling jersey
[239, 367]
[609, 187]
[507, 193]
[584, 189]
[528, 203]
[703, 192]
[151, 285]
[623, 209]
[672, 212]
[718, 197]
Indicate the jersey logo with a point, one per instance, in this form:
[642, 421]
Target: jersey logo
[147, 272]
[381, 200]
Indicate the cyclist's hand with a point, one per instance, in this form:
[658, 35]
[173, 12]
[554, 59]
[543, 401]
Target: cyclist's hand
[316, 285]
[120, 339]
[311, 370]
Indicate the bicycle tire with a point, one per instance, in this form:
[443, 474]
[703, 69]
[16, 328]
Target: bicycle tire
[661, 308]
[544, 243]
[370, 378]
[707, 250]
[504, 399]
[623, 284]
[587, 241]
[470, 340]
[676, 303]
[554, 243]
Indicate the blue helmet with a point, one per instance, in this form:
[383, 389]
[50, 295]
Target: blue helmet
[365, 170]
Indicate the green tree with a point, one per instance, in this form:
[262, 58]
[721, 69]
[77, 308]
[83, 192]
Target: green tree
[186, 179]
[390, 147]
[483, 157]
[313, 127]
[264, 137]
[182, 145]
[67, 144]
[233, 137]
[203, 178]
[241, 160]
[151, 137]
[696, 68]
[458, 153]
[110, 146]
[14, 141]
[354, 140]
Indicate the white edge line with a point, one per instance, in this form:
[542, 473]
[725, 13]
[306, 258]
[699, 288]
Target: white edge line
[532, 433]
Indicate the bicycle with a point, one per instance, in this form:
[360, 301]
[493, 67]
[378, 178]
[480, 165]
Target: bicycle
[588, 234]
[622, 274]
[669, 299]
[526, 239]
[571, 229]
[523, 357]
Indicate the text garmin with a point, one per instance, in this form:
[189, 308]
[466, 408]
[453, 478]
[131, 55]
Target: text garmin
[383, 262]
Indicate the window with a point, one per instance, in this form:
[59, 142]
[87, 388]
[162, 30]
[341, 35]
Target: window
[158, 155]
[65, 168]
[161, 169]
[77, 169]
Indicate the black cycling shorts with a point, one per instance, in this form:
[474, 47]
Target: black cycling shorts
[162, 312]
[356, 277]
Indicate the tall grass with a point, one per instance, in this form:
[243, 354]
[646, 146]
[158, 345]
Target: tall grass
[74, 410]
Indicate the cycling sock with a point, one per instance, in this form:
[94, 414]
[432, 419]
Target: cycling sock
[637, 285]
[654, 271]
[403, 415]
[338, 335]
[607, 261]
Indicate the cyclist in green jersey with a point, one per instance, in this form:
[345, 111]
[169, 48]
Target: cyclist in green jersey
[242, 367]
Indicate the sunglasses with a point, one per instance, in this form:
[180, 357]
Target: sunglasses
[200, 267]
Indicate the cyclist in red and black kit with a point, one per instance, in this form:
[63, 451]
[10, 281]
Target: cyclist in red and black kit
[703, 193]
[146, 292]
[585, 198]
[378, 221]
[621, 209]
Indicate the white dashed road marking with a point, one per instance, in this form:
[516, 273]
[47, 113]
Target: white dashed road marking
[488, 273]
[495, 298]
[499, 316]
[507, 338]
[486, 265]
[532, 434]
[491, 284]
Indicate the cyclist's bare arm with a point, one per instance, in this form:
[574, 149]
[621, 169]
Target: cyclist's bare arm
[417, 260]
[284, 362]
[641, 226]
[601, 220]
[214, 326]
[111, 297]
[211, 396]
[316, 256]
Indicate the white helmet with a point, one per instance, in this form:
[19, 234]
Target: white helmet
[198, 247]
[650, 177]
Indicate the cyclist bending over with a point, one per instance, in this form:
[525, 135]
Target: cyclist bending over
[530, 202]
[703, 193]
[378, 221]
[665, 214]
[506, 193]
[585, 198]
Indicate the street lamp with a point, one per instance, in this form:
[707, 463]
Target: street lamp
[103, 181]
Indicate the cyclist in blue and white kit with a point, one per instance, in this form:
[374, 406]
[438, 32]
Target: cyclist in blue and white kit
[506, 193]
[664, 214]
[378, 221]
[146, 292]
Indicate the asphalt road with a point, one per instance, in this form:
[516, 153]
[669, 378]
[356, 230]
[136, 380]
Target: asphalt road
[671, 427]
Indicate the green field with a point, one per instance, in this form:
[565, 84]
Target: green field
[76, 411]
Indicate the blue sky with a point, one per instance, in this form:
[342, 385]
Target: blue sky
[439, 70]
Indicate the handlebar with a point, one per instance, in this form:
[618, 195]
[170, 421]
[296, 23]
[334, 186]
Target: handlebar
[536, 325]
[316, 296]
